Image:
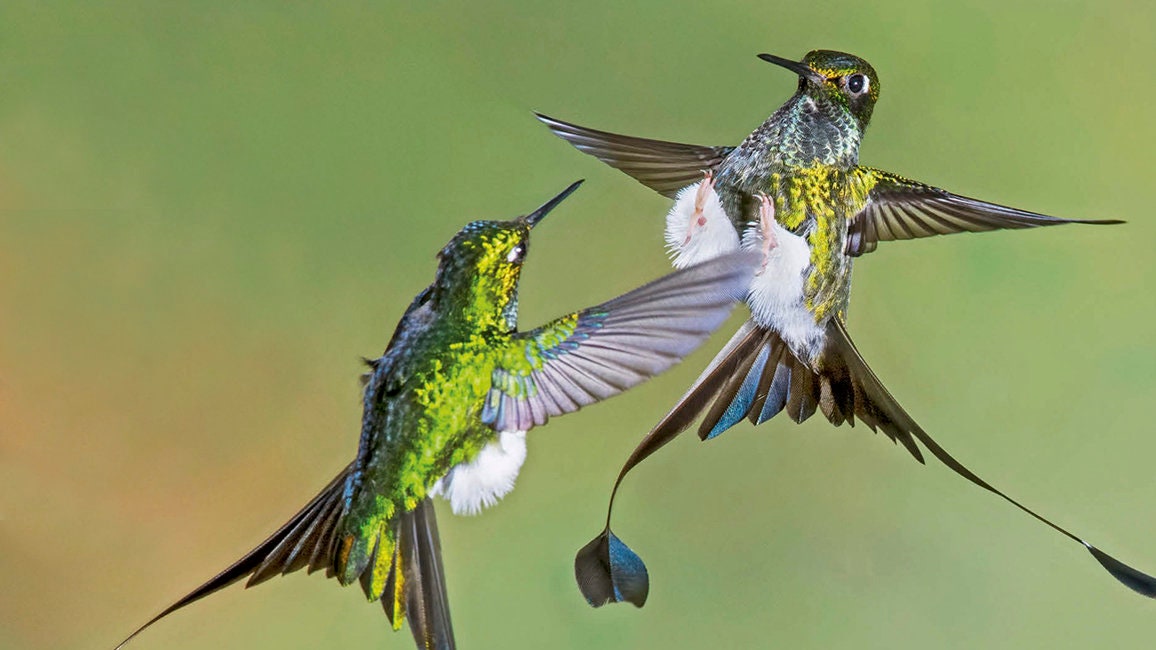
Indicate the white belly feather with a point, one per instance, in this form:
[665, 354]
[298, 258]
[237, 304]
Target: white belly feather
[480, 483]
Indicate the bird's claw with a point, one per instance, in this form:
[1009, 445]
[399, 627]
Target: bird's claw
[698, 220]
[766, 228]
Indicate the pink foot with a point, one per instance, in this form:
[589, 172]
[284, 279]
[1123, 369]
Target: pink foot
[766, 228]
[699, 219]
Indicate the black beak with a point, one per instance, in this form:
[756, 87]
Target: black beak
[794, 66]
[534, 217]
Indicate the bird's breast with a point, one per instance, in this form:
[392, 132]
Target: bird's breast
[817, 203]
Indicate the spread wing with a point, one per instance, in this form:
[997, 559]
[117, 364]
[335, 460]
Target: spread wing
[899, 208]
[596, 353]
[665, 167]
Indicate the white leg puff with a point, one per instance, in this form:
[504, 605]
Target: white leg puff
[697, 227]
[480, 483]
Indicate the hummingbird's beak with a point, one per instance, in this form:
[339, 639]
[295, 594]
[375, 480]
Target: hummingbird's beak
[534, 217]
[794, 66]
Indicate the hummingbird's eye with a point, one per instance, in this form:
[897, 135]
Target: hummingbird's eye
[858, 83]
[517, 254]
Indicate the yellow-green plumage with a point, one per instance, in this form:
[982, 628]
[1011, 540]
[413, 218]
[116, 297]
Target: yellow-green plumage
[794, 355]
[423, 403]
[439, 395]
[424, 398]
[447, 406]
[815, 201]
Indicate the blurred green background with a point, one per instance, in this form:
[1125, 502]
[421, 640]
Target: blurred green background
[209, 212]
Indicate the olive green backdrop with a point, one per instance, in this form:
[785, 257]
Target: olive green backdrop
[209, 212]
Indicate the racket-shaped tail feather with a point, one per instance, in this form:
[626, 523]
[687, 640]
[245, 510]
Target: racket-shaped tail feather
[756, 376]
[608, 571]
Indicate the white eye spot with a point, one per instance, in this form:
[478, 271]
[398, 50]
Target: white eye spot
[516, 254]
[857, 84]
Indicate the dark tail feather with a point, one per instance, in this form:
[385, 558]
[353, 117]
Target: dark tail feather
[305, 541]
[737, 355]
[771, 379]
[665, 167]
[739, 395]
[887, 412]
[606, 569]
[427, 607]
[410, 581]
[843, 388]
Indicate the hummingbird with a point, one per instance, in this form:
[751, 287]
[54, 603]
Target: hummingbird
[448, 404]
[794, 191]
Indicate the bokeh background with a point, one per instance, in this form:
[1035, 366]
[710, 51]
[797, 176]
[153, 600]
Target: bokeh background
[208, 212]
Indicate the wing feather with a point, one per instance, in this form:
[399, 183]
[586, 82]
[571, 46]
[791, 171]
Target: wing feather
[665, 167]
[599, 352]
[899, 208]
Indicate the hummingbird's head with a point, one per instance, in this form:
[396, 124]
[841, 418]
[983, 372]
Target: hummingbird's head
[836, 77]
[478, 270]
